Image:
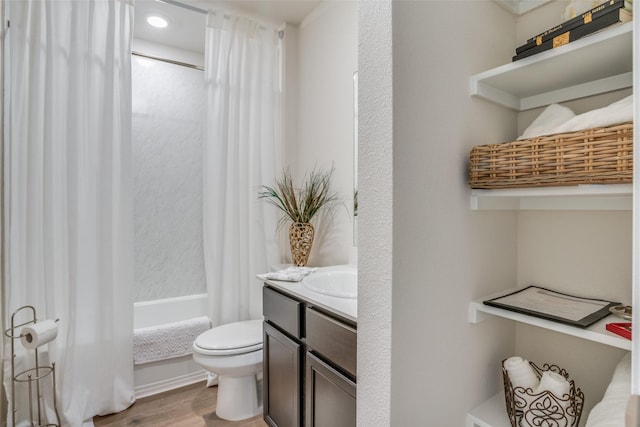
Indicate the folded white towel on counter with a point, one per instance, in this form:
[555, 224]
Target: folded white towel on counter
[289, 274]
[167, 341]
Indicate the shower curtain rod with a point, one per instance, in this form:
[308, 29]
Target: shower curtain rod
[170, 61]
[184, 6]
[205, 12]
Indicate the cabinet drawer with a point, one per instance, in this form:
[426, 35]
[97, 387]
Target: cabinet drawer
[333, 339]
[282, 311]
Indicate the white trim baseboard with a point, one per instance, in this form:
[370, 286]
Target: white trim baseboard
[170, 384]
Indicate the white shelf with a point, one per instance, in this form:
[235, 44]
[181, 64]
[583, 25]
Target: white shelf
[609, 197]
[597, 332]
[491, 413]
[598, 63]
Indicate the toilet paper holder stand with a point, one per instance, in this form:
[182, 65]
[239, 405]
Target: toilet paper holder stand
[32, 376]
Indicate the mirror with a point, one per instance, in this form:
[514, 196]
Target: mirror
[355, 158]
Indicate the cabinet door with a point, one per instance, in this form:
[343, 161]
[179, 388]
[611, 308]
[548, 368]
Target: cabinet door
[330, 396]
[282, 374]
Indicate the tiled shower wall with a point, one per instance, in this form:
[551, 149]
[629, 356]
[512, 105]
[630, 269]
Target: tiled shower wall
[168, 114]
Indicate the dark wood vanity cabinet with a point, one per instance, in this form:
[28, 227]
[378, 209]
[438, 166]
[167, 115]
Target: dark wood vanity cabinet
[309, 364]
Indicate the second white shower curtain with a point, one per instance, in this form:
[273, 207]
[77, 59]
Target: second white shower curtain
[241, 127]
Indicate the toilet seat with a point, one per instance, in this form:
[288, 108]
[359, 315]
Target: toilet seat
[233, 338]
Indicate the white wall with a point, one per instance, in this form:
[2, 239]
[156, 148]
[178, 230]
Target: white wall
[326, 61]
[444, 255]
[290, 99]
[582, 253]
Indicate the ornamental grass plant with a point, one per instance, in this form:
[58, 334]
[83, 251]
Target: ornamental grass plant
[300, 204]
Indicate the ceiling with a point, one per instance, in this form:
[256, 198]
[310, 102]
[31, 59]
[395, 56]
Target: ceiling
[277, 11]
[186, 27]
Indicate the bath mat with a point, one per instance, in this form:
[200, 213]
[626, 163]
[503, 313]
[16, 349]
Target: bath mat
[167, 341]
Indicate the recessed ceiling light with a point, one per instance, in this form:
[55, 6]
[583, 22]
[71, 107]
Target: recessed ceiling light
[157, 21]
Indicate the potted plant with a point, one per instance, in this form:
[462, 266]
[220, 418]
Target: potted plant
[299, 205]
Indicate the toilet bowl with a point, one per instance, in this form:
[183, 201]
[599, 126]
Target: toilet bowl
[234, 353]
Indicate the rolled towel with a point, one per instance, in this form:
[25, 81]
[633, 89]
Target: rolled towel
[558, 386]
[555, 383]
[520, 372]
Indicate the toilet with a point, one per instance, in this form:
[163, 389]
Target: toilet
[234, 353]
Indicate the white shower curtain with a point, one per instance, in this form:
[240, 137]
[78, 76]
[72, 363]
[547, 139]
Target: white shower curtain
[68, 205]
[241, 131]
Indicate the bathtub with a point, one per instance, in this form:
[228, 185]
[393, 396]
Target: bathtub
[156, 377]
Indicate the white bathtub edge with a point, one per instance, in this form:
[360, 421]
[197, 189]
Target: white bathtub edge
[168, 310]
[157, 377]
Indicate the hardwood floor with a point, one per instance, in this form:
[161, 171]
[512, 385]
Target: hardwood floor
[190, 406]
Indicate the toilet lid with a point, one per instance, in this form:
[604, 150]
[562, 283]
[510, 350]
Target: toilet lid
[232, 338]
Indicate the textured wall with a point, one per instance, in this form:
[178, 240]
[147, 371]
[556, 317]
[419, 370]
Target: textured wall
[375, 218]
[168, 111]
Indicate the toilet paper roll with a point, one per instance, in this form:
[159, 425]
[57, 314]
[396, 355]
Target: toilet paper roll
[38, 334]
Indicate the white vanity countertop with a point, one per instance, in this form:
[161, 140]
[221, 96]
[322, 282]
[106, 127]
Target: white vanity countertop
[344, 307]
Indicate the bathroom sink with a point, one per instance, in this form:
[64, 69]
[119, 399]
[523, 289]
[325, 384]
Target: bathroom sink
[333, 281]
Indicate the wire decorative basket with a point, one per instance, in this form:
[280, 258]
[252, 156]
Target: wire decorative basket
[594, 156]
[526, 407]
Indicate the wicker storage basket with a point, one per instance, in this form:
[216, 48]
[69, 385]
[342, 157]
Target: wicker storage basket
[593, 156]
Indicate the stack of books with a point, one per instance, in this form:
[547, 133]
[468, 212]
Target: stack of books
[609, 13]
